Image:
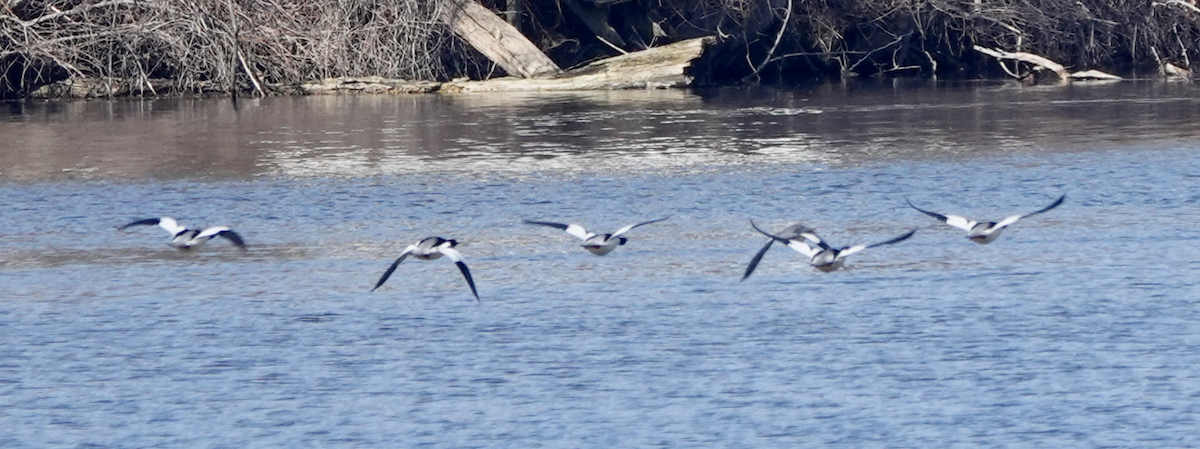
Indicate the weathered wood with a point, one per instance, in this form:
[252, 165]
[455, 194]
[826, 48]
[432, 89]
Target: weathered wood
[655, 68]
[368, 85]
[1174, 72]
[1052, 66]
[1170, 71]
[496, 39]
[1026, 57]
[1094, 75]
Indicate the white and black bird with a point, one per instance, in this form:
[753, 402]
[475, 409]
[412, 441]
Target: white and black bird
[796, 231]
[598, 244]
[183, 237]
[983, 232]
[820, 255]
[432, 248]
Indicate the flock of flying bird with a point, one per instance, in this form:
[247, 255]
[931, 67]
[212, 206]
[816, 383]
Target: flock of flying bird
[801, 238]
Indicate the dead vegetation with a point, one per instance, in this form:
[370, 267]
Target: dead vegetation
[789, 40]
[217, 45]
[253, 46]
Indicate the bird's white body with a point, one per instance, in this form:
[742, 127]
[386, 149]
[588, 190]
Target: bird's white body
[825, 258]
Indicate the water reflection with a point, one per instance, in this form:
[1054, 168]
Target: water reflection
[586, 131]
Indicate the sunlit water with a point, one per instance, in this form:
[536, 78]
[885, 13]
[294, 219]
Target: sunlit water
[1078, 328]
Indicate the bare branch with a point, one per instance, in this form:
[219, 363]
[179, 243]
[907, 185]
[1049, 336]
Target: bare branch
[1026, 57]
[787, 16]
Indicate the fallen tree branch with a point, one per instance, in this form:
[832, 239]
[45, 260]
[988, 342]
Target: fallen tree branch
[1094, 75]
[1047, 64]
[1027, 57]
[496, 39]
[654, 68]
[253, 79]
[1168, 70]
[610, 44]
[819, 53]
[889, 44]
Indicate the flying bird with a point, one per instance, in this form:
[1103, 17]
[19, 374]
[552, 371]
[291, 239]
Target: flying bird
[821, 256]
[796, 231]
[598, 244]
[186, 238]
[986, 231]
[432, 248]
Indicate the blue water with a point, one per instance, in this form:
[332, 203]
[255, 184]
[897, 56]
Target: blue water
[1079, 327]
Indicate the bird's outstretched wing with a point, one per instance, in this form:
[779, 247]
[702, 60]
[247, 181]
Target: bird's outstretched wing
[1013, 219]
[952, 220]
[896, 239]
[627, 228]
[1056, 203]
[167, 223]
[857, 248]
[454, 256]
[223, 232]
[796, 231]
[796, 244]
[388, 273]
[757, 258]
[572, 229]
[233, 237]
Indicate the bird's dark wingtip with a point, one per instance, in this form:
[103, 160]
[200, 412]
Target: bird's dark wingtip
[148, 221]
[466, 272]
[936, 215]
[772, 236]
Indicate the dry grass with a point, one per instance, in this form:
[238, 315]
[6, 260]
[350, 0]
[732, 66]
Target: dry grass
[216, 45]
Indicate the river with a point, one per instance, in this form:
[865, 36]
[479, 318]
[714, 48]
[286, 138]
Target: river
[1079, 327]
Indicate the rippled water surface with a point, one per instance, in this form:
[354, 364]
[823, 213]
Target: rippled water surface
[1079, 327]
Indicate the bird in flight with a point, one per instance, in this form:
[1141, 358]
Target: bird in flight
[820, 255]
[598, 244]
[795, 231]
[983, 232]
[183, 237]
[432, 248]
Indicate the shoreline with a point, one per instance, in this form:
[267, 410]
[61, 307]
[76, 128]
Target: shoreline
[107, 48]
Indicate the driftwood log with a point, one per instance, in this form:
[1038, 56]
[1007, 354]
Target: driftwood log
[1044, 63]
[1170, 71]
[653, 68]
[496, 39]
[364, 85]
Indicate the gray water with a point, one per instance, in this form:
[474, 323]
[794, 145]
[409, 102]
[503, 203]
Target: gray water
[1079, 327]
